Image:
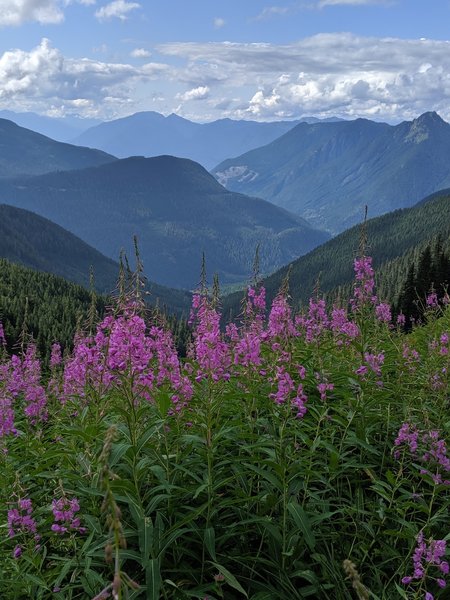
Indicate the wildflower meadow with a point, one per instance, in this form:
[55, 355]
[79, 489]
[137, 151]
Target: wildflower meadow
[287, 456]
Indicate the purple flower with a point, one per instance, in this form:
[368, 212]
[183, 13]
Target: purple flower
[383, 312]
[432, 300]
[426, 556]
[280, 319]
[20, 519]
[64, 511]
[364, 283]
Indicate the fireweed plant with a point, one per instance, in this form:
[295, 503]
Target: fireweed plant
[289, 457]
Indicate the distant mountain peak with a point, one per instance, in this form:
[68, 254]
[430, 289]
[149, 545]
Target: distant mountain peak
[420, 128]
[429, 117]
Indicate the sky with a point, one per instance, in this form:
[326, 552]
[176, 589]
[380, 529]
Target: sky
[386, 60]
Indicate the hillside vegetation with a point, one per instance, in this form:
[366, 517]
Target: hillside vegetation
[176, 209]
[394, 241]
[302, 456]
[328, 172]
[36, 242]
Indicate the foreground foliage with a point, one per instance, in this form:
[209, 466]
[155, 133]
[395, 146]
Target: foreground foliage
[293, 457]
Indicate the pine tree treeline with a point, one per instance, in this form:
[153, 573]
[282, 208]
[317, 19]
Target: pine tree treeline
[431, 274]
[48, 309]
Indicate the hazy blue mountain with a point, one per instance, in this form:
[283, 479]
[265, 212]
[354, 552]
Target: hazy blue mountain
[177, 210]
[62, 129]
[394, 240]
[328, 172]
[23, 151]
[36, 242]
[152, 134]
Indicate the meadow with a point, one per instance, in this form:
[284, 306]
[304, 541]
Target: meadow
[291, 456]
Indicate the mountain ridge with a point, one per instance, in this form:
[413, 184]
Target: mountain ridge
[327, 173]
[177, 210]
[25, 152]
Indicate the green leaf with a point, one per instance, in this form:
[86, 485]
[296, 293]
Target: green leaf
[302, 521]
[153, 579]
[210, 542]
[230, 579]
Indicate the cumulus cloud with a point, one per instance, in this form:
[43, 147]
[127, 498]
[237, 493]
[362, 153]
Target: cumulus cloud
[327, 74]
[198, 93]
[140, 53]
[337, 74]
[117, 9]
[43, 77]
[16, 12]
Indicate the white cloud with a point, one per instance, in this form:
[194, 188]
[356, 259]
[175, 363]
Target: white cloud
[324, 75]
[327, 74]
[272, 11]
[219, 23]
[43, 77]
[16, 12]
[140, 53]
[118, 9]
[198, 93]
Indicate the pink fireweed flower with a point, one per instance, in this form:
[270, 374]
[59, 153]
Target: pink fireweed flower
[123, 348]
[426, 556]
[285, 385]
[255, 306]
[299, 402]
[323, 386]
[401, 319]
[363, 292]
[210, 351]
[168, 368]
[2, 335]
[412, 358]
[24, 380]
[383, 312]
[344, 330]
[280, 319]
[373, 362]
[55, 358]
[314, 322]
[65, 521]
[8, 392]
[22, 524]
[285, 389]
[247, 350]
[427, 448]
[432, 300]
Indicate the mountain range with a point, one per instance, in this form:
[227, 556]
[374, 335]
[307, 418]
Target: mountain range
[62, 129]
[152, 134]
[328, 172]
[176, 209]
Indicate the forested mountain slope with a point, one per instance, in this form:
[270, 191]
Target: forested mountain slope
[33, 241]
[393, 240]
[176, 209]
[328, 172]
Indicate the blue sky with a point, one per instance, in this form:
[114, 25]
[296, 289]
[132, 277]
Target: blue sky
[204, 59]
